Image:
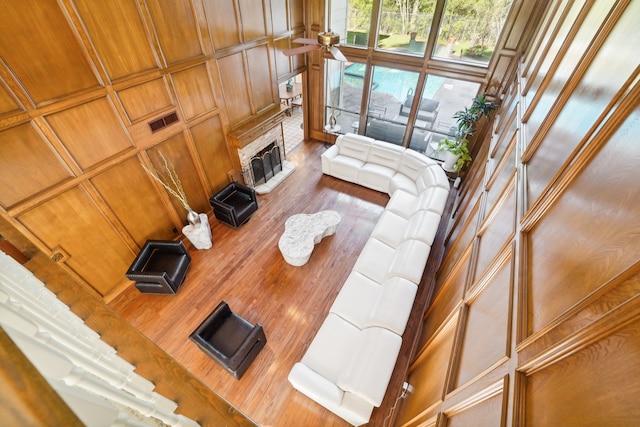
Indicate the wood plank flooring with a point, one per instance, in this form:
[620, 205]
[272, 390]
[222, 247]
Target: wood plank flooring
[245, 268]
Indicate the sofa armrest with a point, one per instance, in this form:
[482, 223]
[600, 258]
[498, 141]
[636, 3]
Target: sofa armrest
[315, 385]
[168, 246]
[328, 156]
[256, 335]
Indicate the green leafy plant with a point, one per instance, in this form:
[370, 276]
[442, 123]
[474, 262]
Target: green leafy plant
[458, 147]
[466, 121]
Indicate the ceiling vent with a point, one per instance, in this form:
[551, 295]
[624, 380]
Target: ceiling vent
[162, 122]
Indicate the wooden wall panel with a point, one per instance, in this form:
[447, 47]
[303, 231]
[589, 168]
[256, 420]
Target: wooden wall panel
[595, 386]
[552, 43]
[210, 142]
[79, 82]
[590, 97]
[91, 132]
[260, 78]
[487, 412]
[428, 375]
[28, 164]
[283, 62]
[497, 231]
[72, 225]
[177, 153]
[507, 131]
[223, 23]
[565, 72]
[134, 199]
[503, 174]
[235, 87]
[464, 233]
[195, 91]
[47, 67]
[584, 239]
[279, 21]
[446, 302]
[549, 228]
[297, 13]
[145, 99]
[8, 102]
[253, 19]
[123, 44]
[486, 340]
[177, 30]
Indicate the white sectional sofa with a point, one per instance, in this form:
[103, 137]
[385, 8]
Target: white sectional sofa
[349, 363]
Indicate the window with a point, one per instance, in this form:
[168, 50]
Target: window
[389, 88]
[404, 25]
[352, 20]
[344, 87]
[392, 98]
[469, 30]
[405, 104]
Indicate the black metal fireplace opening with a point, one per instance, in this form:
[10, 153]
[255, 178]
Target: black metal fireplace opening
[266, 164]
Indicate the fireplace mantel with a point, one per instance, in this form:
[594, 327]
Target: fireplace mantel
[251, 138]
[255, 127]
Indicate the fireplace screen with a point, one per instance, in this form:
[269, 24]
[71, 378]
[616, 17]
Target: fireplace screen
[266, 164]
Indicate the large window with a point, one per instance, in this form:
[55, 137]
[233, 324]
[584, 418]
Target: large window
[406, 106]
[352, 20]
[393, 95]
[466, 32]
[344, 96]
[469, 30]
[404, 25]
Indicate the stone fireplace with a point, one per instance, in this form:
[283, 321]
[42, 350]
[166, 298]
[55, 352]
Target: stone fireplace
[262, 153]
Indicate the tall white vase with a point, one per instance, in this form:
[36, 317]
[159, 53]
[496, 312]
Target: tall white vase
[450, 161]
[199, 234]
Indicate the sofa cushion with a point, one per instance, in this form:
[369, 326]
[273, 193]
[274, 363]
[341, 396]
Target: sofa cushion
[386, 154]
[406, 204]
[349, 406]
[432, 176]
[375, 176]
[332, 348]
[402, 182]
[314, 385]
[371, 366]
[412, 164]
[393, 229]
[409, 260]
[379, 261]
[374, 260]
[345, 167]
[355, 146]
[366, 303]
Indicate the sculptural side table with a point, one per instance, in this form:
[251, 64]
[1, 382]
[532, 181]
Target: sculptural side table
[303, 231]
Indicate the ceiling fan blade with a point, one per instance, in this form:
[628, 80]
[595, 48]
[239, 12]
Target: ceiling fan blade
[305, 41]
[301, 49]
[337, 54]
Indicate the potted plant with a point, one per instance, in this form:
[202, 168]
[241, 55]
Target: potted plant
[456, 153]
[457, 149]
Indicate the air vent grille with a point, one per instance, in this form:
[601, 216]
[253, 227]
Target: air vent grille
[162, 122]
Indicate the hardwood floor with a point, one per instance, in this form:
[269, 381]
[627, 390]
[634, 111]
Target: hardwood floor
[245, 268]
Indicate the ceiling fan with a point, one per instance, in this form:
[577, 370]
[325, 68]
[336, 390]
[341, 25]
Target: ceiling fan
[327, 41]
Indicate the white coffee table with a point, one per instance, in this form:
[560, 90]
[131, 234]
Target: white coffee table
[303, 231]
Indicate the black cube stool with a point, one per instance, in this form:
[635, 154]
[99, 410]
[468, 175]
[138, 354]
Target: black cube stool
[229, 339]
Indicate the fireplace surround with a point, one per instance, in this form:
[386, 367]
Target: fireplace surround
[261, 151]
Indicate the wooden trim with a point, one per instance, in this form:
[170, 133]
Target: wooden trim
[26, 398]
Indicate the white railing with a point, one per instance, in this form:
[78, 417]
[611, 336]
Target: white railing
[95, 382]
